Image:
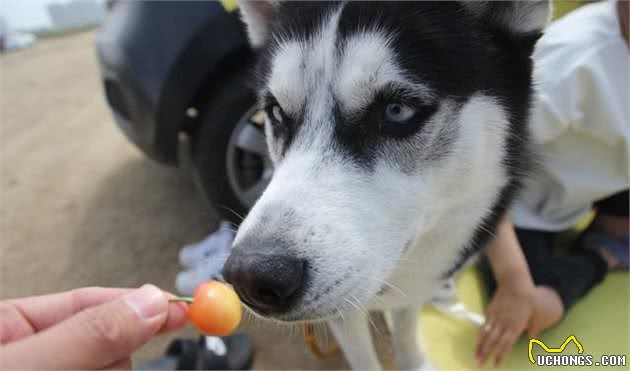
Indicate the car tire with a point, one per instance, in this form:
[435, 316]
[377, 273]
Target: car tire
[219, 120]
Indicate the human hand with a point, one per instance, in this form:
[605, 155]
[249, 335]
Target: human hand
[88, 328]
[507, 317]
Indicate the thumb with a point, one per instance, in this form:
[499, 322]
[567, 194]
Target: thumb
[98, 336]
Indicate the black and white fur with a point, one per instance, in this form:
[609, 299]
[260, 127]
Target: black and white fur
[382, 209]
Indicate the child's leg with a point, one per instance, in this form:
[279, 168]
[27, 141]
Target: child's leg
[560, 280]
[571, 275]
[539, 255]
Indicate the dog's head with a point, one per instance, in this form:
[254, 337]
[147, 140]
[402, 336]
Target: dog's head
[384, 120]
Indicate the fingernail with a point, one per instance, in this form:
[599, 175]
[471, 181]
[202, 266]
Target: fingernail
[148, 301]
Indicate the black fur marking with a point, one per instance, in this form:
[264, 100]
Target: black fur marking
[363, 136]
[519, 158]
[440, 44]
[453, 53]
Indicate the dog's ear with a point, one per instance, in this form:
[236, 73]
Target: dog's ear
[257, 15]
[516, 16]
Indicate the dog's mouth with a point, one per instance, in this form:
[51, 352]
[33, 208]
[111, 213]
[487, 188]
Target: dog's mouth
[305, 307]
[320, 306]
[271, 313]
[322, 293]
[294, 317]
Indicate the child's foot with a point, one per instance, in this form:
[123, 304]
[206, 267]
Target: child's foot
[608, 236]
[548, 310]
[615, 226]
[611, 259]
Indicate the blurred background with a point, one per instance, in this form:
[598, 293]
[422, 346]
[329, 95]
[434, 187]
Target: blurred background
[127, 131]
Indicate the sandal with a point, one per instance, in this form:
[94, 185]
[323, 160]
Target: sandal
[181, 354]
[234, 352]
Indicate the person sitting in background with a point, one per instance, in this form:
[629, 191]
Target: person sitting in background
[580, 124]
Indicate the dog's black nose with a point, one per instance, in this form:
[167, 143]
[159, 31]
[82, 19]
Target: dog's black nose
[265, 282]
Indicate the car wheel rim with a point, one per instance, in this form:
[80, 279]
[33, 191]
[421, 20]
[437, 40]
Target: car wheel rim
[249, 167]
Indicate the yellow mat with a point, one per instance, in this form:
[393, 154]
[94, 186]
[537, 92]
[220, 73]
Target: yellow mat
[599, 321]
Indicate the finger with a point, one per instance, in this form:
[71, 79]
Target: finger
[46, 310]
[504, 346]
[489, 343]
[484, 331]
[95, 337]
[13, 325]
[176, 317]
[532, 329]
[24, 317]
[177, 314]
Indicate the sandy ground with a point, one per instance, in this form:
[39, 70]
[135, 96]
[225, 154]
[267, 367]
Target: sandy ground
[81, 206]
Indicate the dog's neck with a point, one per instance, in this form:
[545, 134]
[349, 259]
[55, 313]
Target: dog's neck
[421, 270]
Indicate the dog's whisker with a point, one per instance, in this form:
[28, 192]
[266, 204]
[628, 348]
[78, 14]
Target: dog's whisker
[351, 303]
[484, 228]
[343, 318]
[407, 260]
[368, 316]
[355, 303]
[225, 207]
[217, 257]
[356, 306]
[383, 282]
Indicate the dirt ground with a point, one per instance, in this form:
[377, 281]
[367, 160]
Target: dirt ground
[81, 206]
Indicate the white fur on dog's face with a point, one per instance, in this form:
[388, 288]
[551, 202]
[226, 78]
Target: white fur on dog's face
[349, 223]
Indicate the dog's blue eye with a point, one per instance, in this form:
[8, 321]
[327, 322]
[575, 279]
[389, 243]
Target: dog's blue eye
[399, 113]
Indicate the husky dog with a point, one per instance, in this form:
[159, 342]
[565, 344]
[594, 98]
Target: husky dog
[399, 134]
